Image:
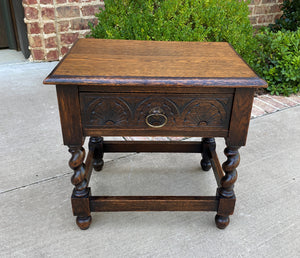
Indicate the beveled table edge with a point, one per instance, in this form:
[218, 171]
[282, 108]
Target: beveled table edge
[253, 82]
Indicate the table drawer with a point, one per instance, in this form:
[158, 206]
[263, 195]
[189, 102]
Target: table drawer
[158, 112]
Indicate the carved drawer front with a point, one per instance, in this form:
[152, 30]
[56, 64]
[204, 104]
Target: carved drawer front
[156, 111]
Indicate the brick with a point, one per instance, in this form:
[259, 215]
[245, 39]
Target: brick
[267, 9]
[35, 41]
[29, 2]
[34, 28]
[61, 1]
[46, 1]
[83, 34]
[88, 1]
[295, 98]
[273, 102]
[63, 26]
[262, 9]
[251, 9]
[68, 38]
[64, 50]
[268, 1]
[49, 28]
[275, 8]
[90, 10]
[51, 42]
[31, 13]
[74, 1]
[52, 55]
[257, 112]
[48, 13]
[68, 11]
[266, 19]
[253, 19]
[38, 54]
[284, 100]
[256, 26]
[264, 106]
[255, 2]
[80, 24]
[141, 138]
[277, 16]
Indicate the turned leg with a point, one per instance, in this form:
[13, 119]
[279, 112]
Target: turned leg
[225, 193]
[81, 192]
[205, 162]
[96, 145]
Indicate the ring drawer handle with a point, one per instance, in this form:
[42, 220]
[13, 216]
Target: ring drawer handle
[156, 119]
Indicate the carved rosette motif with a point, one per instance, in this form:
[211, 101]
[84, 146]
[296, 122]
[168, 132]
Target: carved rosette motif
[122, 111]
[108, 112]
[204, 113]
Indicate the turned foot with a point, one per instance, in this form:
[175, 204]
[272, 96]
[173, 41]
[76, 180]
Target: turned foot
[96, 145]
[98, 165]
[84, 222]
[222, 221]
[205, 165]
[207, 143]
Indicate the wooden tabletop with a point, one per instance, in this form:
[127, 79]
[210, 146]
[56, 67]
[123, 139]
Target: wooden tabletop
[132, 62]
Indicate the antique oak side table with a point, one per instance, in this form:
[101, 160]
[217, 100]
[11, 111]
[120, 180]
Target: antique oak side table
[151, 88]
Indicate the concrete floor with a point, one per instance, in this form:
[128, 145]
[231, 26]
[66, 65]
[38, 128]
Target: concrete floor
[35, 188]
[10, 56]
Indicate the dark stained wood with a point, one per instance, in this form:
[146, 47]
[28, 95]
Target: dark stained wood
[84, 222]
[81, 209]
[70, 118]
[153, 203]
[229, 167]
[79, 177]
[226, 205]
[159, 146]
[96, 146]
[215, 163]
[181, 112]
[206, 155]
[183, 89]
[89, 165]
[144, 88]
[81, 205]
[177, 82]
[225, 193]
[240, 117]
[81, 192]
[150, 63]
[185, 132]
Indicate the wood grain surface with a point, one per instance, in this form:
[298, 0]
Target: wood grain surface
[100, 61]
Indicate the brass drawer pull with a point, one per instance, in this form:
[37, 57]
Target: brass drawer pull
[156, 119]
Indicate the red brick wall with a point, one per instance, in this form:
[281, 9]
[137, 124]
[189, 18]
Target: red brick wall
[264, 12]
[53, 25]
